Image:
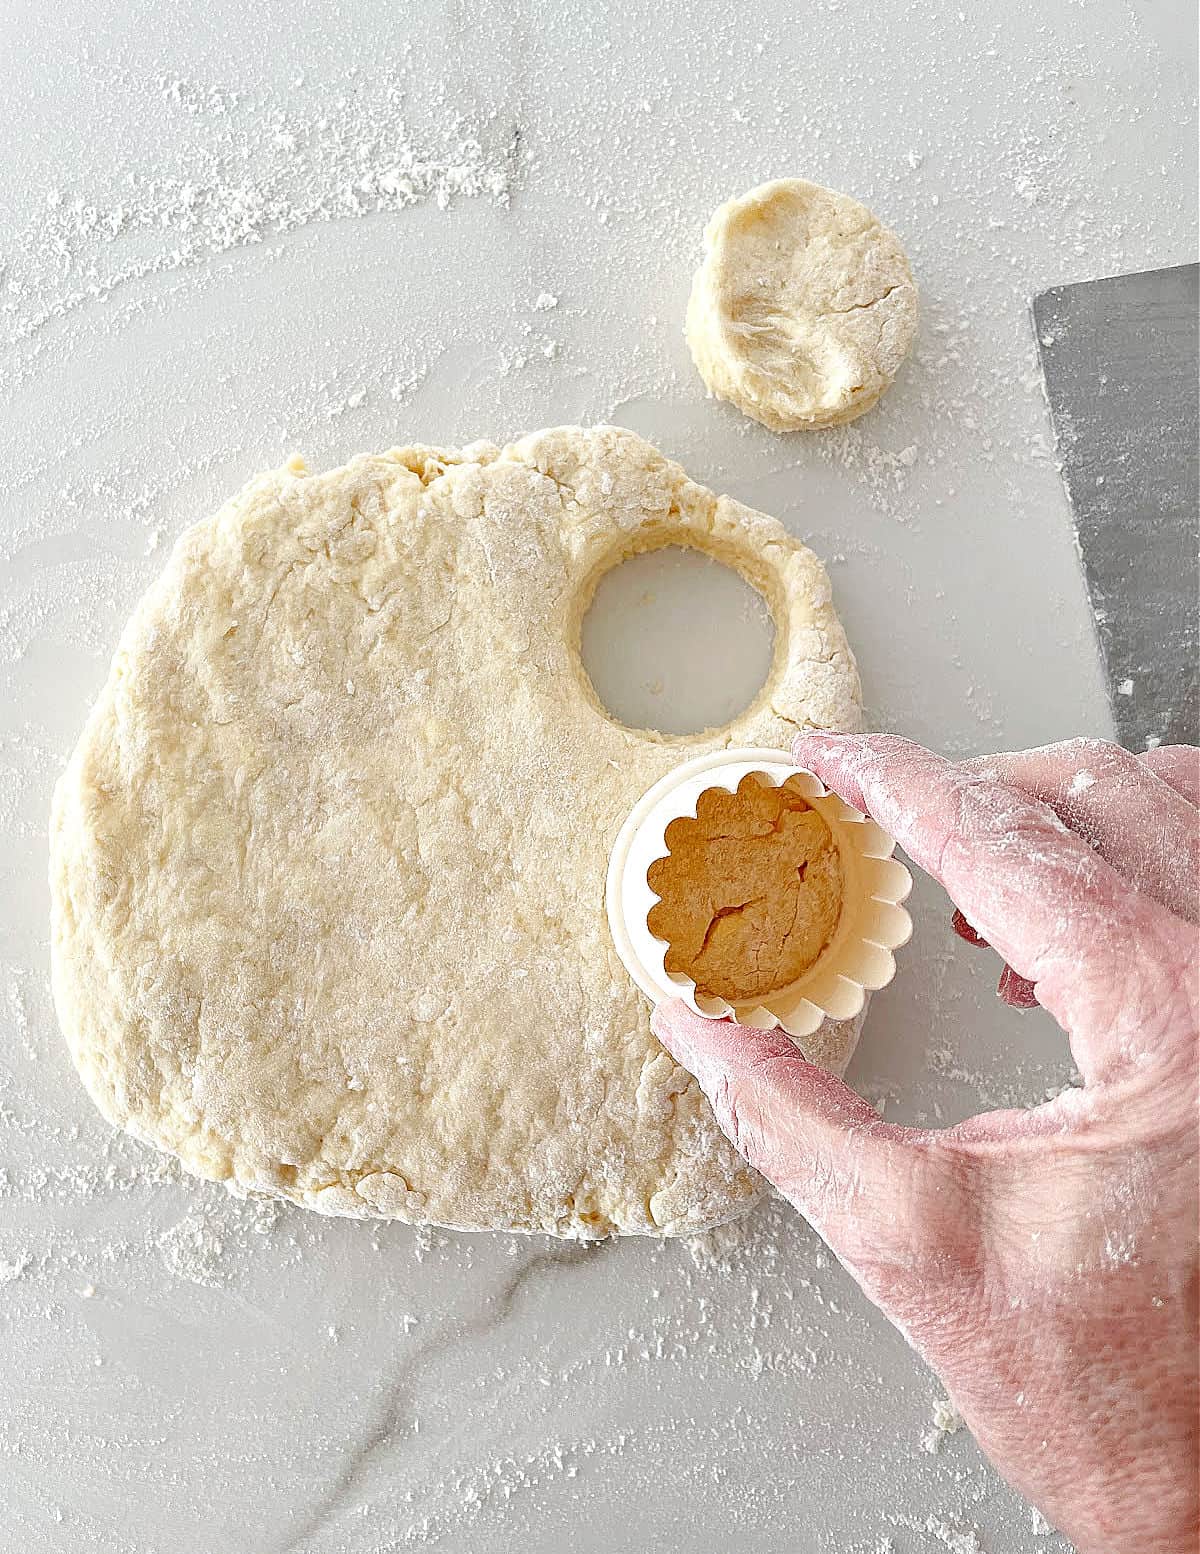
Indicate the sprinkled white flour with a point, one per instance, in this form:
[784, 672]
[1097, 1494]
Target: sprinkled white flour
[955, 1539]
[712, 1249]
[267, 164]
[255, 231]
[193, 1249]
[13, 1267]
[947, 1421]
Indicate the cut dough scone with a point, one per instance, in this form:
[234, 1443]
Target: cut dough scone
[750, 891]
[804, 307]
[328, 861]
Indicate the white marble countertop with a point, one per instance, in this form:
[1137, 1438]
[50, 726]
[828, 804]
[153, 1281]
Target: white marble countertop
[187, 1374]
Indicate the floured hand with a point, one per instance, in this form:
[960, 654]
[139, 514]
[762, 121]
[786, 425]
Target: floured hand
[1044, 1262]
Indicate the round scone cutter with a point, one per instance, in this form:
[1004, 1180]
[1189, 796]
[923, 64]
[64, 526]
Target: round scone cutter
[858, 958]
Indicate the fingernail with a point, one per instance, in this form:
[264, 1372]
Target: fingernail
[819, 744]
[965, 931]
[1016, 991]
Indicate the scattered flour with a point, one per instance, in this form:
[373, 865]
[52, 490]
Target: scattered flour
[1119, 1249]
[266, 164]
[712, 1250]
[953, 1538]
[947, 1421]
[203, 1245]
[12, 1268]
[250, 172]
[194, 1250]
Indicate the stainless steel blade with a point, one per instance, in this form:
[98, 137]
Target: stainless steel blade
[1120, 362]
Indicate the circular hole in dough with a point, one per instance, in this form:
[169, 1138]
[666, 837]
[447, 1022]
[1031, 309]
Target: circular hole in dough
[676, 641]
[804, 307]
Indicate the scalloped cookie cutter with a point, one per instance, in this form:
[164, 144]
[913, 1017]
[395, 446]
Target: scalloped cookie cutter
[857, 960]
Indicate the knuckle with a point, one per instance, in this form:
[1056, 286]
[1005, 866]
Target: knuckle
[738, 1108]
[1100, 758]
[1085, 747]
[726, 1106]
[735, 1116]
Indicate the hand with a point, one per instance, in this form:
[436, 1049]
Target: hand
[1044, 1262]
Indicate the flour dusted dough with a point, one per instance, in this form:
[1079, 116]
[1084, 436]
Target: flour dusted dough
[328, 862]
[804, 307]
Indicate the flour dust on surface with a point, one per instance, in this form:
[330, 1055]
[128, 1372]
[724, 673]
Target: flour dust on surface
[293, 249]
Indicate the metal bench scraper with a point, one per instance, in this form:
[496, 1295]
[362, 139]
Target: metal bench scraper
[1120, 362]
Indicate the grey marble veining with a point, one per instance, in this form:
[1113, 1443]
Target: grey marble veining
[403, 1385]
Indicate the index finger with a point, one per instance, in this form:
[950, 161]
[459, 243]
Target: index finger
[1063, 918]
[1178, 766]
[1138, 822]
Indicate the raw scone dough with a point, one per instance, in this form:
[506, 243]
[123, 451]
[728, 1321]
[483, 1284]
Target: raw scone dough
[804, 307]
[328, 862]
[750, 891]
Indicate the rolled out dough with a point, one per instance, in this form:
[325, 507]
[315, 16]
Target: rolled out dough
[328, 861]
[804, 307]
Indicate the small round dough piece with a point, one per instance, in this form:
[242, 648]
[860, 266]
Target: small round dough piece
[804, 307]
[328, 861]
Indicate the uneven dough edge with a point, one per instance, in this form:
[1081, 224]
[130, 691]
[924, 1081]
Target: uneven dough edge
[92, 1005]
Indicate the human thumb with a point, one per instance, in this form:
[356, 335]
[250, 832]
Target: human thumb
[880, 1195]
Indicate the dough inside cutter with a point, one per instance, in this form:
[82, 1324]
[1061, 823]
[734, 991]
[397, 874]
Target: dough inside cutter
[750, 892]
